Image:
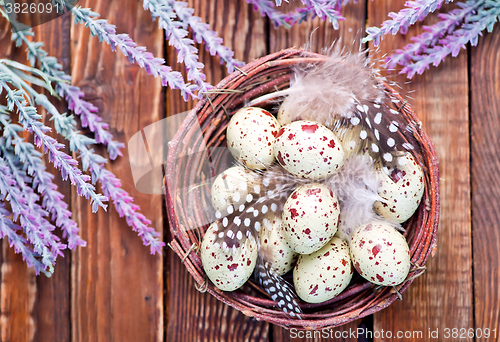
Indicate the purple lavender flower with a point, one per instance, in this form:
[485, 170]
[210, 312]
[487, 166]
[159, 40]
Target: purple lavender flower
[401, 21]
[326, 9]
[9, 229]
[153, 66]
[72, 94]
[444, 39]
[432, 34]
[52, 200]
[89, 118]
[176, 36]
[29, 118]
[203, 34]
[66, 126]
[123, 202]
[31, 216]
[287, 20]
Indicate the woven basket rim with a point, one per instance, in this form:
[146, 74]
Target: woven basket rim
[210, 112]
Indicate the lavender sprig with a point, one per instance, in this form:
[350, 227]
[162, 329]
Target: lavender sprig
[29, 118]
[37, 229]
[89, 118]
[65, 125]
[325, 9]
[72, 94]
[111, 186]
[422, 43]
[123, 202]
[153, 66]
[177, 37]
[287, 20]
[40, 231]
[52, 200]
[203, 34]
[401, 21]
[485, 18]
[9, 229]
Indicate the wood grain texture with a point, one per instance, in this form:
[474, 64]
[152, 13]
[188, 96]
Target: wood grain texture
[18, 289]
[18, 283]
[442, 297]
[113, 290]
[318, 36]
[52, 304]
[37, 308]
[195, 316]
[485, 167]
[116, 284]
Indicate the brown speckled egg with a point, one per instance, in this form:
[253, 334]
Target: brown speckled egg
[310, 217]
[228, 269]
[324, 274]
[401, 189]
[232, 187]
[380, 254]
[308, 150]
[250, 134]
[274, 247]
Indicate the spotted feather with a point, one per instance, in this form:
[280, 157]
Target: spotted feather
[277, 288]
[384, 131]
[245, 220]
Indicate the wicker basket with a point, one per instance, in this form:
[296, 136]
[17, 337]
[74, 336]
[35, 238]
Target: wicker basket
[212, 115]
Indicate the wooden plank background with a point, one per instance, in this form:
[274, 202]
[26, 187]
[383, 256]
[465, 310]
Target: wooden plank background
[113, 290]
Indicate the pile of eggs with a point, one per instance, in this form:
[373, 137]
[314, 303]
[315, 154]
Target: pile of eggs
[305, 237]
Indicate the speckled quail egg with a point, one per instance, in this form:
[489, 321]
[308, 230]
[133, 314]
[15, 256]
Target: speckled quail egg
[310, 217]
[324, 274]
[308, 150]
[380, 253]
[286, 113]
[274, 247]
[401, 189]
[232, 187]
[250, 134]
[228, 269]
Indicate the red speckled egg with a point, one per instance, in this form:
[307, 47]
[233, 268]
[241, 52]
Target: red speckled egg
[231, 187]
[250, 134]
[228, 269]
[380, 254]
[274, 247]
[401, 190]
[308, 150]
[324, 274]
[310, 217]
